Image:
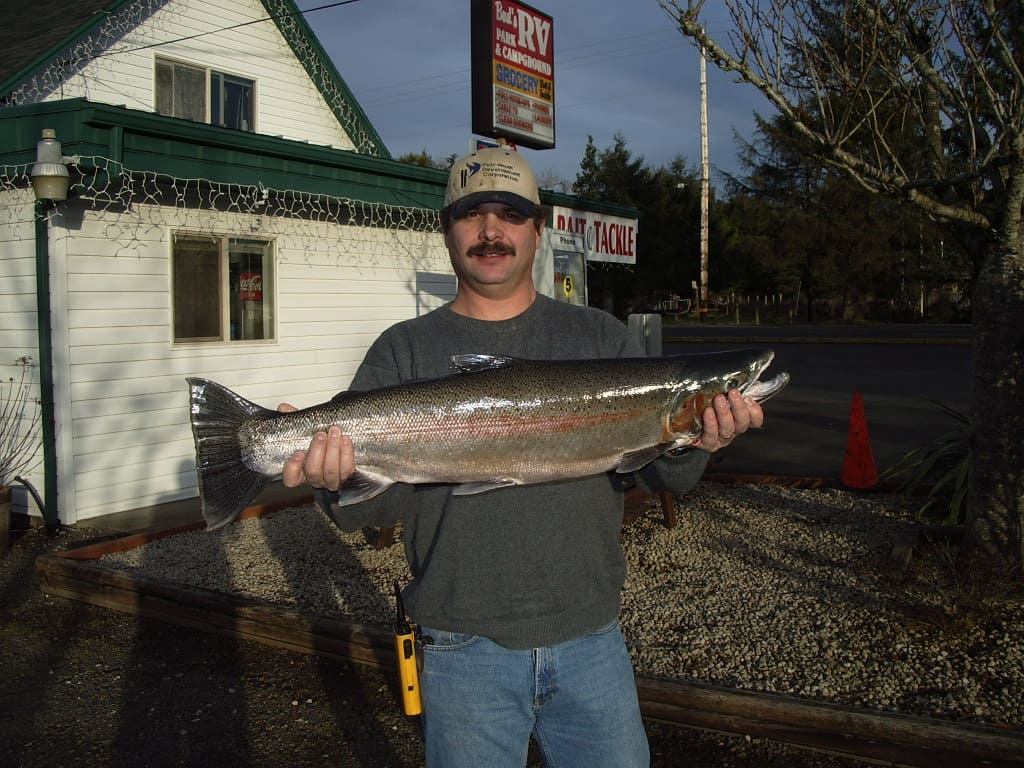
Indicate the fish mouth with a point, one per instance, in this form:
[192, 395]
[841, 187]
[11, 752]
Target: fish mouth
[754, 387]
[759, 391]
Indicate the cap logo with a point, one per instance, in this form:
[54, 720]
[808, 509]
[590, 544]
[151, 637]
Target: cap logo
[471, 169]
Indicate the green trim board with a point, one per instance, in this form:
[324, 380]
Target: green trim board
[325, 76]
[144, 142]
[80, 20]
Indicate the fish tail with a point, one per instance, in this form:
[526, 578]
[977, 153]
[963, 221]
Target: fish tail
[226, 485]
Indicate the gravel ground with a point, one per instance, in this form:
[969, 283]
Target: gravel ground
[758, 587]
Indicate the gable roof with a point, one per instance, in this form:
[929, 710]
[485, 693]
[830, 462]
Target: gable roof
[43, 33]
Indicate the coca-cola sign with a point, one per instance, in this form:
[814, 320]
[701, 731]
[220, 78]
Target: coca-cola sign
[251, 286]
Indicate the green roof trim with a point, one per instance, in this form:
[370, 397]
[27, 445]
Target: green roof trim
[325, 76]
[549, 197]
[147, 143]
[144, 142]
[92, 24]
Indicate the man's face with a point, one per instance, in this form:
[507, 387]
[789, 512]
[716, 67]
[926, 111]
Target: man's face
[492, 250]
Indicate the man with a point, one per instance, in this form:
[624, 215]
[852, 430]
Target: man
[516, 591]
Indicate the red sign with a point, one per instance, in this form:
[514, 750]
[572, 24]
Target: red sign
[605, 237]
[251, 286]
[513, 56]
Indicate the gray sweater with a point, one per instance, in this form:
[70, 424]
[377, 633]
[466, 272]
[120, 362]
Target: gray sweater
[526, 566]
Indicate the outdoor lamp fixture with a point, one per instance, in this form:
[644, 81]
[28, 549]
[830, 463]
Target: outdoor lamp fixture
[49, 175]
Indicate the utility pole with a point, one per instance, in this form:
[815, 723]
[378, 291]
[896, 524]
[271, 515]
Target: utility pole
[705, 184]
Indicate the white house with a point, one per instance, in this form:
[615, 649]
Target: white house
[232, 214]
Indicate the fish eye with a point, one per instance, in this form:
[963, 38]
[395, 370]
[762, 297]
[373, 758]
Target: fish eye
[732, 384]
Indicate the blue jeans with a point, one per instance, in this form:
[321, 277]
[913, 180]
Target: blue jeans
[482, 701]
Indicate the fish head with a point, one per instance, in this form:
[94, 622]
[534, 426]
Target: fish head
[699, 377]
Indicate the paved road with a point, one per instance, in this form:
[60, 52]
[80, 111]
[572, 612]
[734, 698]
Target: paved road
[897, 370]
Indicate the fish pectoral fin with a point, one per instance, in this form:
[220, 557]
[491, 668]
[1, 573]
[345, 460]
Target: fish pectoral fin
[468, 489]
[362, 486]
[634, 460]
[472, 363]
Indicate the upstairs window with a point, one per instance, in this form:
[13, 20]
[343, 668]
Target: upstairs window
[204, 95]
[231, 101]
[180, 91]
[223, 288]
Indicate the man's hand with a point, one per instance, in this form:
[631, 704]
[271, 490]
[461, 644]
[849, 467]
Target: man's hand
[728, 416]
[328, 463]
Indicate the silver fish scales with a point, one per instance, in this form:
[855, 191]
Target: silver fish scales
[497, 422]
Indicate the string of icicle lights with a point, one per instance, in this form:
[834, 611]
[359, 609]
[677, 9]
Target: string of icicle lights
[132, 209]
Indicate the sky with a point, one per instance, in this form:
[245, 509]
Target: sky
[621, 66]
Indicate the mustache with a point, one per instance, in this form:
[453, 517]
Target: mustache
[483, 249]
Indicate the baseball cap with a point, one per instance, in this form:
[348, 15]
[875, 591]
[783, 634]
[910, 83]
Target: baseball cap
[492, 175]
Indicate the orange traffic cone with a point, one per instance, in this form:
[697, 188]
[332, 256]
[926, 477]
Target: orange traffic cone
[859, 469]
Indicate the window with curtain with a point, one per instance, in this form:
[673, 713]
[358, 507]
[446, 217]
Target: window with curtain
[204, 95]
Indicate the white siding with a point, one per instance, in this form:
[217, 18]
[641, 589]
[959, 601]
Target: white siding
[19, 336]
[337, 288]
[288, 104]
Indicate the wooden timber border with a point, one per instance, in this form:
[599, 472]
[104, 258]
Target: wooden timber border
[875, 737]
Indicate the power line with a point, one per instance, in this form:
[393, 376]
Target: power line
[563, 63]
[566, 61]
[409, 92]
[220, 29]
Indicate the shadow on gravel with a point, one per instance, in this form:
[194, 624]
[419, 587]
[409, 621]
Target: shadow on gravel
[172, 708]
[313, 579]
[27, 682]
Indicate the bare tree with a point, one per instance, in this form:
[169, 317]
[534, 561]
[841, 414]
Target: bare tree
[921, 100]
[548, 178]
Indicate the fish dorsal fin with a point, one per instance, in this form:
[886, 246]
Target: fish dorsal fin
[468, 489]
[634, 460]
[471, 363]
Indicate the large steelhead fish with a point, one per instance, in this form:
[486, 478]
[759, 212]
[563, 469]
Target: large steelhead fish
[496, 422]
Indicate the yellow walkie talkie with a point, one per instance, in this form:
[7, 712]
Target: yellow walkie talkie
[405, 652]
